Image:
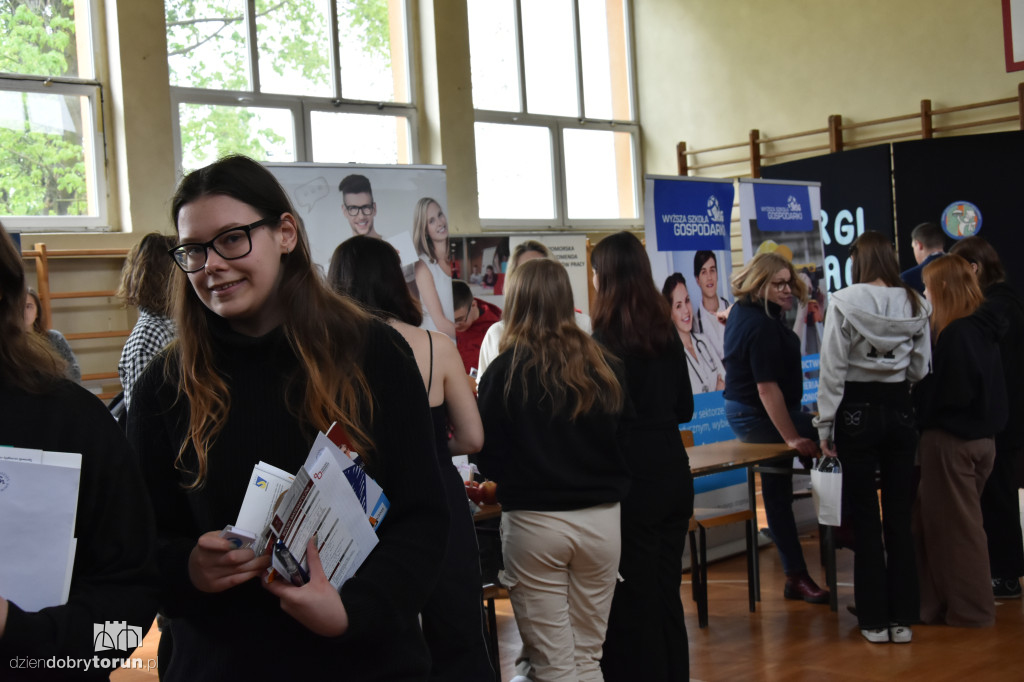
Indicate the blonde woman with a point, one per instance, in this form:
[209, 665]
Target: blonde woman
[434, 271]
[763, 388]
[551, 404]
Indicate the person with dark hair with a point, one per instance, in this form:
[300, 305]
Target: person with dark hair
[358, 205]
[473, 317]
[267, 356]
[961, 406]
[145, 283]
[34, 323]
[646, 631]
[114, 575]
[552, 403]
[927, 240]
[763, 389]
[434, 270]
[1000, 504]
[704, 368]
[876, 344]
[369, 271]
[706, 322]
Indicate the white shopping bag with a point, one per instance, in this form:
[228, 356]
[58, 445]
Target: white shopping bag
[827, 490]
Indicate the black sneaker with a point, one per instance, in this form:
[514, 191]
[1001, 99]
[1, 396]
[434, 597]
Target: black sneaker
[1006, 588]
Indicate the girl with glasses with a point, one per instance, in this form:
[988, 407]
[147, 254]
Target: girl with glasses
[267, 356]
[763, 390]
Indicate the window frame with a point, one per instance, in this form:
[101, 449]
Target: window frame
[301, 107]
[92, 88]
[557, 124]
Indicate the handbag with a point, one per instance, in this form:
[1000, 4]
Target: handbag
[827, 491]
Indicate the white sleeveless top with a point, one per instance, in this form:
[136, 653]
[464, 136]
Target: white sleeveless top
[443, 284]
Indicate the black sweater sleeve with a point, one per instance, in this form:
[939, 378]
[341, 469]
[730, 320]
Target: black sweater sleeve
[113, 578]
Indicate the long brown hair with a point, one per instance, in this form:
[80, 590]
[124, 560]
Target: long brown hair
[545, 341]
[629, 312]
[874, 257]
[952, 289]
[147, 274]
[979, 252]
[26, 361]
[326, 331]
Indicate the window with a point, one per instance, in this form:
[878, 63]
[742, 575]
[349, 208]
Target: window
[303, 80]
[555, 122]
[51, 137]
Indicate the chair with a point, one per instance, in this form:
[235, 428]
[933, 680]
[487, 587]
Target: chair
[698, 550]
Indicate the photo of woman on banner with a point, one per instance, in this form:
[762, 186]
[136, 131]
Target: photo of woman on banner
[705, 369]
[434, 272]
[706, 322]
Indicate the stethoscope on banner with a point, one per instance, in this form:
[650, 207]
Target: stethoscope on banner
[708, 360]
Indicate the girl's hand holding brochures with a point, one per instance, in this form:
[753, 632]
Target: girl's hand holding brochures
[215, 565]
[317, 604]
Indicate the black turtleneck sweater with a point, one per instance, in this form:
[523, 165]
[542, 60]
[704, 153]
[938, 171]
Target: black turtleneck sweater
[242, 633]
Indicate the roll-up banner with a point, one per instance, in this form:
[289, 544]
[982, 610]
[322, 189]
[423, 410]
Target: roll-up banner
[856, 195]
[394, 203]
[687, 240]
[783, 217]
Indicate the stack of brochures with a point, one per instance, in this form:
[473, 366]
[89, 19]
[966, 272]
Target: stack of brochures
[330, 499]
[38, 506]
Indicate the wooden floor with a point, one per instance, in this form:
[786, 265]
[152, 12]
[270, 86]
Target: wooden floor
[792, 641]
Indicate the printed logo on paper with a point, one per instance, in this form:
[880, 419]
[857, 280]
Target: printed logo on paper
[116, 635]
[961, 219]
[260, 482]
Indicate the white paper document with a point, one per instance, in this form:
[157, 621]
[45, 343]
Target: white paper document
[38, 506]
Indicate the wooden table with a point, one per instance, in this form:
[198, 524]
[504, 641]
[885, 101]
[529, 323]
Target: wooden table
[714, 458]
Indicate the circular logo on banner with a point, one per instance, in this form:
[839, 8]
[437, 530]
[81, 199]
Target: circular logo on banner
[961, 219]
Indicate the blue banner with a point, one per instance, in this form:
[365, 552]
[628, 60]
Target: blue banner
[783, 208]
[709, 424]
[692, 215]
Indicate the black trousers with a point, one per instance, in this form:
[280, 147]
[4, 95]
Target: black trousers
[874, 432]
[1000, 510]
[453, 617]
[646, 637]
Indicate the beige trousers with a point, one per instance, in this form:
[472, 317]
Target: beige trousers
[560, 570]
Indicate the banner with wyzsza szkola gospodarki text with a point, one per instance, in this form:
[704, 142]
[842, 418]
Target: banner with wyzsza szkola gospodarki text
[784, 218]
[687, 231]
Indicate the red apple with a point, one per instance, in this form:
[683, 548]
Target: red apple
[489, 492]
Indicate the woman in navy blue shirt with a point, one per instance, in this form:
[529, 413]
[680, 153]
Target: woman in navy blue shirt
[763, 387]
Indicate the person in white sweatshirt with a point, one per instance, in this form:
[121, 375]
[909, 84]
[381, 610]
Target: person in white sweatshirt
[876, 344]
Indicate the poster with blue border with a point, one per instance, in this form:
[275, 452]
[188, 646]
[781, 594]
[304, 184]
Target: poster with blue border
[783, 217]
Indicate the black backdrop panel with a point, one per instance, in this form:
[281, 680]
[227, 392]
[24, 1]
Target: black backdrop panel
[986, 170]
[856, 195]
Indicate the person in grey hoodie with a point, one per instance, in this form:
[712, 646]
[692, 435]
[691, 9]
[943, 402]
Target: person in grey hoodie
[876, 344]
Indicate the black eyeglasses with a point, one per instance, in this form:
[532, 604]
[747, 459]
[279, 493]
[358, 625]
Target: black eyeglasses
[366, 209]
[229, 245]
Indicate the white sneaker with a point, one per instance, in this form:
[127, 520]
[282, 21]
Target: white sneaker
[900, 634]
[876, 635]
